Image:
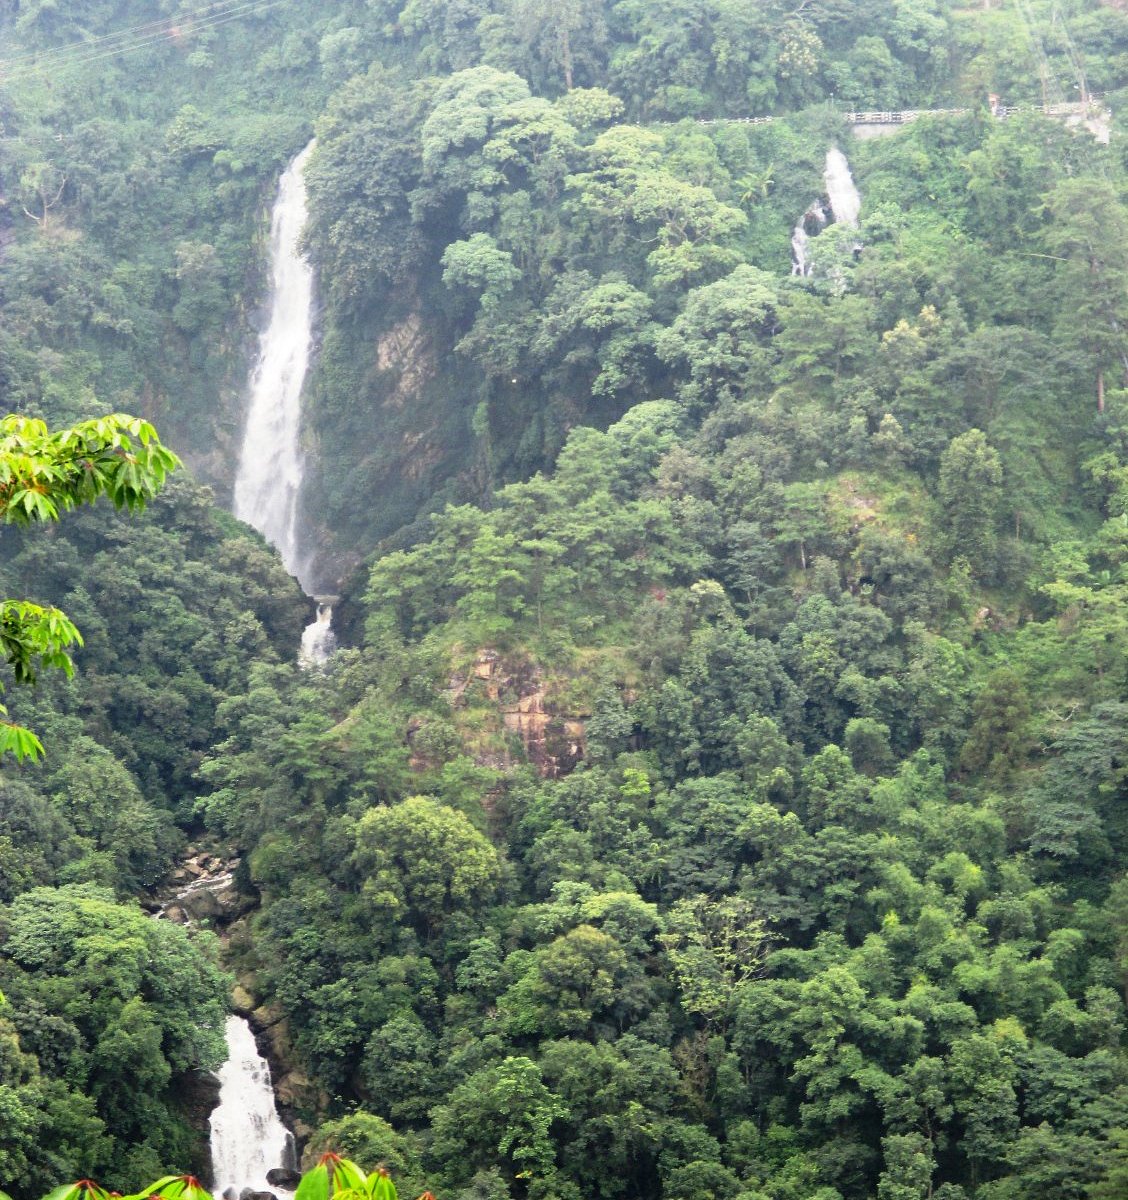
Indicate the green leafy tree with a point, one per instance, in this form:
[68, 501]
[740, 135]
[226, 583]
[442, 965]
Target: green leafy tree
[422, 861]
[971, 479]
[44, 474]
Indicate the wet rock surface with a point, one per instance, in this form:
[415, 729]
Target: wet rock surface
[202, 890]
[283, 1177]
[553, 739]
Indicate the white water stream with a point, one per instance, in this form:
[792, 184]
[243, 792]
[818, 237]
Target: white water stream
[247, 1135]
[271, 465]
[845, 206]
[269, 477]
[318, 639]
[845, 201]
[801, 238]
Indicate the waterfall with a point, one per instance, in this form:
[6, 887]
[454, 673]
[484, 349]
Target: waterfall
[318, 640]
[247, 1135]
[800, 238]
[269, 477]
[845, 202]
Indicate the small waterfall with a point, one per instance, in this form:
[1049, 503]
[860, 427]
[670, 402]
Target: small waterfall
[269, 477]
[801, 237]
[183, 902]
[247, 1135]
[845, 202]
[318, 639]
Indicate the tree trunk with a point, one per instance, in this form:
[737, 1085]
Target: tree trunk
[566, 56]
[1100, 391]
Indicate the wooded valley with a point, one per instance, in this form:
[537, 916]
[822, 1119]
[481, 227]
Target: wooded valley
[721, 785]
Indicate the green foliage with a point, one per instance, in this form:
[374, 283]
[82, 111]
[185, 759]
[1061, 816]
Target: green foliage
[819, 579]
[105, 1007]
[331, 1176]
[43, 475]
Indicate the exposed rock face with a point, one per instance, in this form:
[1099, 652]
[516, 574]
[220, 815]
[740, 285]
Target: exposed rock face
[553, 740]
[294, 1092]
[406, 349]
[198, 1094]
[242, 1002]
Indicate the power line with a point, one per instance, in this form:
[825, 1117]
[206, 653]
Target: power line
[161, 25]
[80, 56]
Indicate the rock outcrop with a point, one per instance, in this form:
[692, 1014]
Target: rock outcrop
[203, 889]
[553, 738]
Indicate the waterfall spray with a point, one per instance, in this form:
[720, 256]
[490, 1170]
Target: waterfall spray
[271, 464]
[270, 471]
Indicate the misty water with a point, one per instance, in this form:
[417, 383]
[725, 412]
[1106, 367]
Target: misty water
[269, 477]
[268, 481]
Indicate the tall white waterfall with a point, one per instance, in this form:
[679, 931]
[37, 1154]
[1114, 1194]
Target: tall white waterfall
[247, 1135]
[270, 464]
[269, 478]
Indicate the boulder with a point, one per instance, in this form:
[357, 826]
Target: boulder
[232, 902]
[242, 1001]
[201, 904]
[284, 1177]
[251, 1194]
[266, 1016]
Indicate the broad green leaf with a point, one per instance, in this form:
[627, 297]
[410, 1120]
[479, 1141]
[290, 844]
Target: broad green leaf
[314, 1184]
[347, 1176]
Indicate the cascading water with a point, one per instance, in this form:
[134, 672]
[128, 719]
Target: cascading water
[270, 465]
[247, 1135]
[845, 201]
[845, 205]
[801, 237]
[269, 477]
[248, 1138]
[318, 640]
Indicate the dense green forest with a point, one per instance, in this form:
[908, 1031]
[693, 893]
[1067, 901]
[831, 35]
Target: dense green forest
[721, 790]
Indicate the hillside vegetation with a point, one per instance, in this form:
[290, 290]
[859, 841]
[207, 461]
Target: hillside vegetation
[722, 788]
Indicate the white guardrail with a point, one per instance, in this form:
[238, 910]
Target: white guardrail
[904, 116]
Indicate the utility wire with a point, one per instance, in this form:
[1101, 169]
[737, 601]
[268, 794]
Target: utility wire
[81, 56]
[150, 27]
